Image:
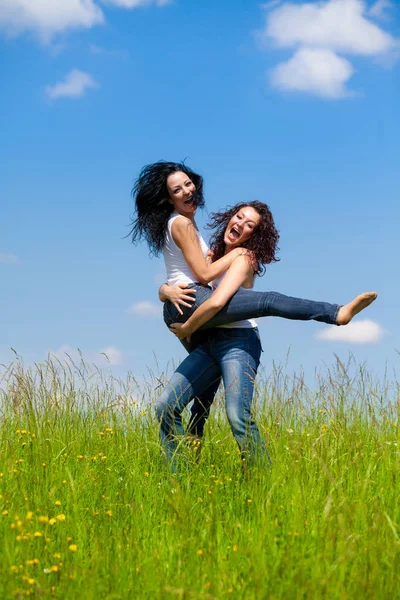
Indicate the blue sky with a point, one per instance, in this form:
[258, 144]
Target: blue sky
[295, 104]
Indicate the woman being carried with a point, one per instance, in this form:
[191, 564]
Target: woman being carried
[167, 196]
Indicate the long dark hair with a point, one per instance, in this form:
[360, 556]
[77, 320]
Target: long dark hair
[263, 242]
[152, 209]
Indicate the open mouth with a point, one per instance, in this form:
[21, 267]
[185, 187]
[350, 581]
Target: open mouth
[191, 201]
[234, 233]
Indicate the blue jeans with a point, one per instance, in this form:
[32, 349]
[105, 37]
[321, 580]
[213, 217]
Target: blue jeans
[248, 304]
[234, 354]
[245, 304]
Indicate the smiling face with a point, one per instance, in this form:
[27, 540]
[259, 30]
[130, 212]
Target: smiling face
[181, 191]
[241, 227]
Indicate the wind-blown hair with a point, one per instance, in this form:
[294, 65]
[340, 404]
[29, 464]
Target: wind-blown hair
[152, 208]
[263, 242]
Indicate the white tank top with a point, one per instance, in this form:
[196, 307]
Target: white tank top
[245, 323]
[178, 271]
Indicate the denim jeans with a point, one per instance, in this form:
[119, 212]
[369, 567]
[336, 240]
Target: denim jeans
[248, 304]
[234, 353]
[201, 406]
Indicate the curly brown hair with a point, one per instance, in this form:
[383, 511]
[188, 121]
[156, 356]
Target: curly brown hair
[263, 242]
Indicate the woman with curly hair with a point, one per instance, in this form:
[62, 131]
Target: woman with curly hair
[167, 196]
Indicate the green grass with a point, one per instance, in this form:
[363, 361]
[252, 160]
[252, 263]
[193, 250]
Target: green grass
[322, 523]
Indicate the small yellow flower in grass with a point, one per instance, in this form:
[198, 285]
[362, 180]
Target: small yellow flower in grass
[14, 569]
[57, 502]
[235, 548]
[37, 534]
[5, 513]
[52, 521]
[200, 552]
[43, 519]
[199, 499]
[61, 517]
[324, 427]
[104, 458]
[137, 569]
[33, 436]
[109, 513]
[69, 539]
[249, 500]
[80, 457]
[53, 569]
[48, 540]
[73, 547]
[29, 515]
[31, 581]
[44, 465]
[1, 474]
[57, 555]
[101, 433]
[146, 474]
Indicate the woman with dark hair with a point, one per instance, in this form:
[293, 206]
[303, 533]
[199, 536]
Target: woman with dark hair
[167, 195]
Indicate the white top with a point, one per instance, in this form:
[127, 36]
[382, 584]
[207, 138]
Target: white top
[178, 271]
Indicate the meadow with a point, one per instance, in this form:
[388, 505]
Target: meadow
[89, 510]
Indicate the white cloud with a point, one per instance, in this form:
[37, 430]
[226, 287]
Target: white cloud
[9, 259]
[145, 309]
[357, 332]
[137, 3]
[74, 85]
[320, 72]
[378, 10]
[318, 32]
[47, 18]
[340, 25]
[113, 355]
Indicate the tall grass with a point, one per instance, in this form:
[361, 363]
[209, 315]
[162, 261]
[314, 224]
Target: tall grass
[89, 510]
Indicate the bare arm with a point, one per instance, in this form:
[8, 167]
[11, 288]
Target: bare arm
[179, 295]
[238, 273]
[185, 236]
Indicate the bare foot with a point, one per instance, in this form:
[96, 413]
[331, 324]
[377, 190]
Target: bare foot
[348, 311]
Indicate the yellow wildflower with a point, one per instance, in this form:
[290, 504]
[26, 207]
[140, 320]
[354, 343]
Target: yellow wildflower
[61, 517]
[73, 547]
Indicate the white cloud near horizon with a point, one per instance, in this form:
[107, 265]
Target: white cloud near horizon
[145, 309]
[7, 258]
[104, 357]
[74, 85]
[357, 332]
[47, 18]
[318, 33]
